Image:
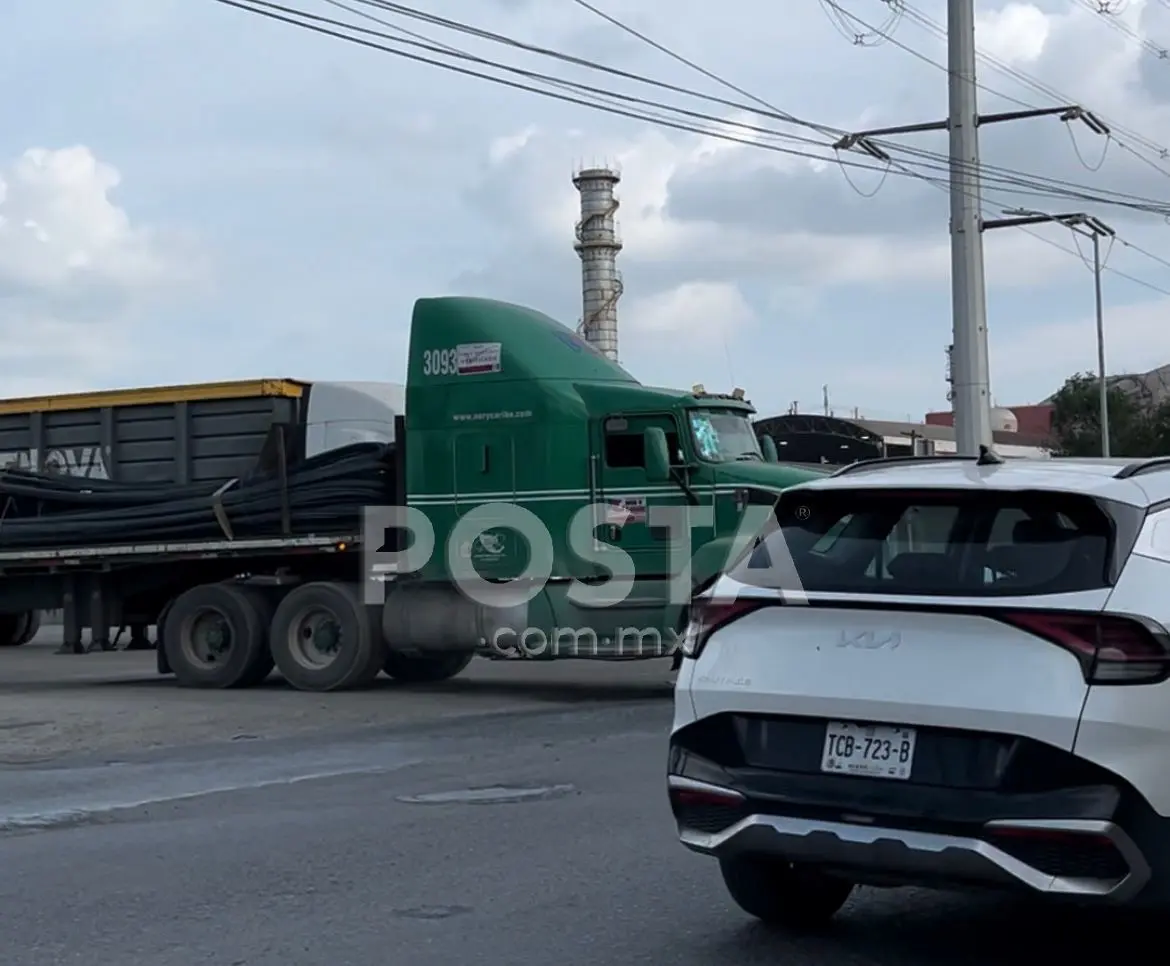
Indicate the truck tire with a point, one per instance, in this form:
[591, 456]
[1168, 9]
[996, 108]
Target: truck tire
[325, 638]
[32, 628]
[13, 628]
[215, 636]
[263, 605]
[425, 668]
[160, 632]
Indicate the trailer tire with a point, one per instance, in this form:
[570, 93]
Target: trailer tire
[32, 628]
[160, 630]
[324, 637]
[207, 663]
[425, 668]
[12, 629]
[264, 666]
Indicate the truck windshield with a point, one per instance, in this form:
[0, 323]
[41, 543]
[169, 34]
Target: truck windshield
[723, 436]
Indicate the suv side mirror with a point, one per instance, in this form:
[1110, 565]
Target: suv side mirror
[657, 455]
[768, 446]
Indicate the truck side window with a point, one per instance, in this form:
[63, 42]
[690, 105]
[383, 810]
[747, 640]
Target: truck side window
[627, 450]
[624, 450]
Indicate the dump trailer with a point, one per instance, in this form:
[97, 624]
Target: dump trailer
[240, 519]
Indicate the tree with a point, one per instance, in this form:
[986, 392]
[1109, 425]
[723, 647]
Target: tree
[1137, 427]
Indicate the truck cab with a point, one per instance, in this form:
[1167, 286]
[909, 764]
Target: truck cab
[508, 408]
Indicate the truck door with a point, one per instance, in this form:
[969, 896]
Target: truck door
[485, 473]
[628, 494]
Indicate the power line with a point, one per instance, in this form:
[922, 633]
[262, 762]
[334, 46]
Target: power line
[933, 182]
[1161, 152]
[250, 6]
[941, 162]
[677, 118]
[254, 6]
[1107, 12]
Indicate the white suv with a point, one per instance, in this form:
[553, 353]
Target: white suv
[946, 672]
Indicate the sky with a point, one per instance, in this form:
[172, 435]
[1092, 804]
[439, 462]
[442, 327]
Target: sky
[190, 192]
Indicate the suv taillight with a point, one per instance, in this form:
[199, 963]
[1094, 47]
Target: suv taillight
[1112, 649]
[708, 614]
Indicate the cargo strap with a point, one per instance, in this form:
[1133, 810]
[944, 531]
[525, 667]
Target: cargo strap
[217, 508]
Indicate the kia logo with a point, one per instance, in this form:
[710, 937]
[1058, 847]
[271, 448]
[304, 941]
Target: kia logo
[871, 640]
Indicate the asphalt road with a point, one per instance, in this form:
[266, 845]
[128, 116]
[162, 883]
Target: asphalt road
[333, 851]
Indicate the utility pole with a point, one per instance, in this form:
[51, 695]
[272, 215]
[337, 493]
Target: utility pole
[972, 379]
[1094, 229]
[970, 371]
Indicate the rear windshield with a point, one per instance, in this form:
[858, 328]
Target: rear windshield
[936, 542]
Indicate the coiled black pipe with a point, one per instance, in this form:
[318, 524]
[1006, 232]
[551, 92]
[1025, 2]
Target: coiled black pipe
[323, 494]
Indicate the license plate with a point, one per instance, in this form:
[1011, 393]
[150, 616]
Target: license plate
[870, 751]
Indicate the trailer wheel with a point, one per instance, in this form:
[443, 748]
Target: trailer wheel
[325, 638]
[32, 628]
[425, 668]
[214, 637]
[12, 629]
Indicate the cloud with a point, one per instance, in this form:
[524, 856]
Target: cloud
[74, 269]
[1015, 33]
[696, 311]
[59, 228]
[335, 185]
[1134, 335]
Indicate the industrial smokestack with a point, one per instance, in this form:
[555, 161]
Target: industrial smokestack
[598, 245]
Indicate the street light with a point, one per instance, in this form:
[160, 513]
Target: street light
[1093, 228]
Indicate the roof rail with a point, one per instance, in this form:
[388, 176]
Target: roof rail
[1138, 467]
[875, 464]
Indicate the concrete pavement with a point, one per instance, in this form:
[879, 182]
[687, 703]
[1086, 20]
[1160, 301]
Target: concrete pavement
[357, 850]
[54, 704]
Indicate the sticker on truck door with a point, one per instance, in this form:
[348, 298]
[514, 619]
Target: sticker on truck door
[621, 510]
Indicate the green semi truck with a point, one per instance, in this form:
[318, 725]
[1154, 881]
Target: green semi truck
[503, 408]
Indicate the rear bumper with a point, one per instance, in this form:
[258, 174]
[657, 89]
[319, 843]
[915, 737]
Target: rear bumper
[884, 855]
[1086, 834]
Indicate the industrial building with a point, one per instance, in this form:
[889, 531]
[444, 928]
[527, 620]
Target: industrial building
[815, 438]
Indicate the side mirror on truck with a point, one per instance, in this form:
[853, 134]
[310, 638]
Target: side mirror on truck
[768, 447]
[657, 456]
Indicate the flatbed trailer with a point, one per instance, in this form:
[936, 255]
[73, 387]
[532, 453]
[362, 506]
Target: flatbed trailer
[221, 599]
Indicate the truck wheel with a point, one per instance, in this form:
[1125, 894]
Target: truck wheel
[425, 668]
[215, 637]
[12, 629]
[32, 628]
[325, 638]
